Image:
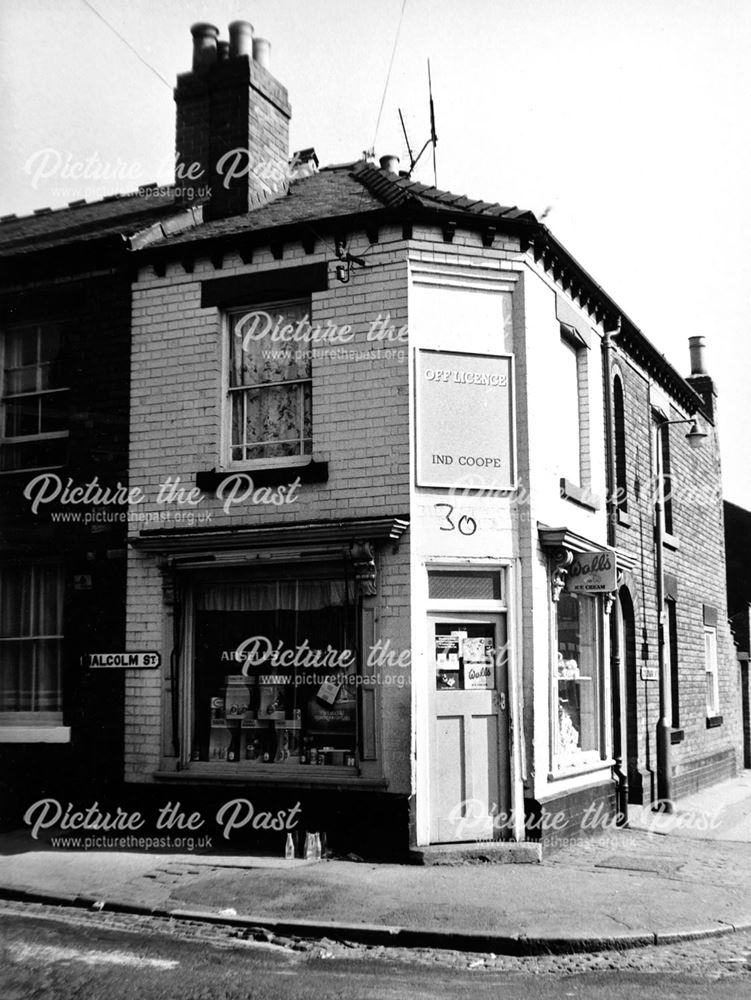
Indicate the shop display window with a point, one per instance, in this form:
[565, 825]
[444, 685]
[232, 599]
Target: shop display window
[275, 672]
[576, 679]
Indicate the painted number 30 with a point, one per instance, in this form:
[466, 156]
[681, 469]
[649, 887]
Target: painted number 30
[465, 526]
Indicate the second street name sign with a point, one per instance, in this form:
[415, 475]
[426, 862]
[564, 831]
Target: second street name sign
[464, 420]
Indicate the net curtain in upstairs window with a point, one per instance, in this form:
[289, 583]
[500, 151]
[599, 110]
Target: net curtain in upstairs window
[31, 627]
[269, 382]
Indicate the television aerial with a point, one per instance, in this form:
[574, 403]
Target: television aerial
[432, 141]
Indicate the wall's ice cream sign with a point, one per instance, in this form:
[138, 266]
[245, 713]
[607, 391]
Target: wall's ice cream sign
[464, 420]
[592, 573]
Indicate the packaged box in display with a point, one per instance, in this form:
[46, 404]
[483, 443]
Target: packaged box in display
[236, 696]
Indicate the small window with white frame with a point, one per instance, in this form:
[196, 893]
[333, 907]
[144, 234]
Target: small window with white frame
[710, 671]
[665, 484]
[269, 384]
[572, 413]
[34, 398]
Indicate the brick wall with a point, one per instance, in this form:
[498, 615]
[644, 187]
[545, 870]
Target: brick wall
[360, 427]
[696, 561]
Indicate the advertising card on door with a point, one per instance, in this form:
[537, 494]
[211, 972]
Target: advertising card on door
[477, 666]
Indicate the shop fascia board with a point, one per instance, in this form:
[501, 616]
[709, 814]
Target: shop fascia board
[309, 537]
[557, 538]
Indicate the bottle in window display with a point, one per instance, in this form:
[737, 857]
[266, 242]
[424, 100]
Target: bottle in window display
[257, 737]
[220, 741]
[287, 741]
[233, 751]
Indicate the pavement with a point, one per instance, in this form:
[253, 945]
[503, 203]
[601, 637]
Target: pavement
[663, 879]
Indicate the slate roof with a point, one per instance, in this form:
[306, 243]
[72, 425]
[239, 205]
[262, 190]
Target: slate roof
[341, 190]
[80, 221]
[396, 191]
[329, 193]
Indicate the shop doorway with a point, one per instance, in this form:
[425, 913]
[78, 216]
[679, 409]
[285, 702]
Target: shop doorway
[469, 766]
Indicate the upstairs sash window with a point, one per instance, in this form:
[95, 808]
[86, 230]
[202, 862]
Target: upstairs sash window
[270, 385]
[34, 398]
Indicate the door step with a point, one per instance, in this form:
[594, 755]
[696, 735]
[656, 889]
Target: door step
[496, 852]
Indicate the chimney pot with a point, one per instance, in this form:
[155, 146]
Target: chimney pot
[204, 46]
[389, 163]
[223, 51]
[240, 39]
[697, 346]
[261, 51]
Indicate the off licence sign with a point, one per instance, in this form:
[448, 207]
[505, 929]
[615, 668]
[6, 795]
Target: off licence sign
[130, 661]
[592, 573]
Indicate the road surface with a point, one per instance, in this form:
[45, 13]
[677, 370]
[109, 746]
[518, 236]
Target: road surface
[54, 953]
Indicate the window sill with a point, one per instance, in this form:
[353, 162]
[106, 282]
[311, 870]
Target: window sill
[34, 734]
[714, 721]
[677, 736]
[578, 768]
[670, 542]
[272, 774]
[309, 472]
[580, 495]
[26, 472]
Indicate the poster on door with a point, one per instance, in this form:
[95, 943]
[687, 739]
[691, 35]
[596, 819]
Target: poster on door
[448, 653]
[465, 657]
[477, 664]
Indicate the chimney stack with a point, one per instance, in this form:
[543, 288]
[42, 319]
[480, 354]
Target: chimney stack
[699, 380]
[232, 123]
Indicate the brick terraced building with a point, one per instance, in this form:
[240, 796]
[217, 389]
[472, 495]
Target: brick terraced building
[65, 315]
[401, 455]
[738, 553]
[401, 527]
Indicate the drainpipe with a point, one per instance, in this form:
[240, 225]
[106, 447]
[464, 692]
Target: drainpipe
[616, 653]
[664, 723]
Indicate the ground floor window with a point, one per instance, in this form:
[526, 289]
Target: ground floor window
[576, 679]
[31, 636]
[275, 671]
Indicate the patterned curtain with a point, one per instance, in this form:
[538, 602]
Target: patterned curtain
[270, 420]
